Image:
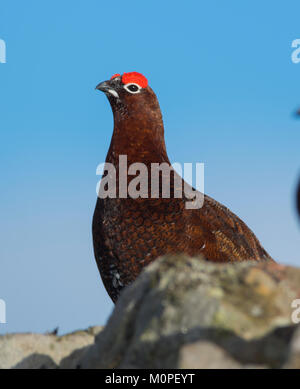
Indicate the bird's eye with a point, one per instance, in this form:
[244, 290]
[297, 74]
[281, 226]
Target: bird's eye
[132, 88]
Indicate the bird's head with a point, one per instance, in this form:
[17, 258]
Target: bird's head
[137, 116]
[129, 92]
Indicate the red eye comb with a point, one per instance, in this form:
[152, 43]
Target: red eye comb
[115, 75]
[136, 78]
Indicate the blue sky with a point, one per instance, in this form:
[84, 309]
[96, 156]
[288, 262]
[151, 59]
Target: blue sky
[227, 88]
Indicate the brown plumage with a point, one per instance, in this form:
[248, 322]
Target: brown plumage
[130, 233]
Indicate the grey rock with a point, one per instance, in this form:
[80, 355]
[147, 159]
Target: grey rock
[243, 311]
[43, 351]
[181, 312]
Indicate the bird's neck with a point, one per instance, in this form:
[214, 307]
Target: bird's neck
[138, 136]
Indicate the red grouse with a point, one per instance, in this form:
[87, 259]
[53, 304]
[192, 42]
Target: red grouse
[130, 232]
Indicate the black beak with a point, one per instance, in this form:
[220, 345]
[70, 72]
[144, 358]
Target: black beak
[109, 88]
[104, 86]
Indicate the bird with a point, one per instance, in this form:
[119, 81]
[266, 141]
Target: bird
[131, 232]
